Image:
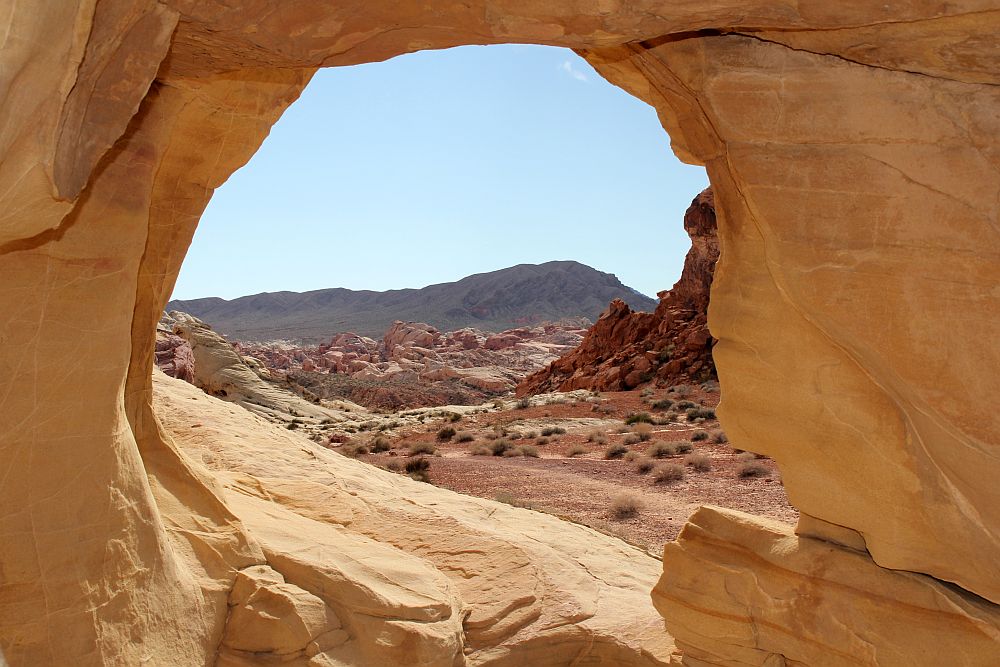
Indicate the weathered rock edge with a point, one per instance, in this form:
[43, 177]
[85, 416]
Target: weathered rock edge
[852, 152]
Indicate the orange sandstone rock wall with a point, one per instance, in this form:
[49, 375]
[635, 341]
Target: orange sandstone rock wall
[624, 349]
[853, 151]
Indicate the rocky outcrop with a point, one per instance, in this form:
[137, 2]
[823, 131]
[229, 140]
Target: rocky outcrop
[418, 354]
[624, 350]
[852, 151]
[357, 566]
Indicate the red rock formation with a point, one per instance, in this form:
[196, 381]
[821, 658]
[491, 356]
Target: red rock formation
[174, 356]
[626, 349]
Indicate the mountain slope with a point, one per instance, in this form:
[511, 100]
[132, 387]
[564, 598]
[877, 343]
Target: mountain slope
[498, 300]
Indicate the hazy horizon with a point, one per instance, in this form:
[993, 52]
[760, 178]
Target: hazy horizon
[434, 166]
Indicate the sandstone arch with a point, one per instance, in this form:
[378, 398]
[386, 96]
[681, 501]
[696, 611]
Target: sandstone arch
[853, 152]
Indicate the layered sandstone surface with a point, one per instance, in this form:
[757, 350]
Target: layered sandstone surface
[671, 345]
[853, 152]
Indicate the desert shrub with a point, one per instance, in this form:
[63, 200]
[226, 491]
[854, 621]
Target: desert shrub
[542, 441]
[615, 451]
[380, 444]
[464, 436]
[644, 466]
[508, 498]
[498, 404]
[523, 402]
[663, 404]
[597, 435]
[752, 469]
[498, 447]
[719, 437]
[631, 439]
[338, 438]
[576, 450]
[480, 450]
[531, 435]
[354, 450]
[699, 436]
[646, 392]
[681, 390]
[418, 469]
[447, 433]
[625, 506]
[454, 417]
[422, 448]
[644, 431]
[553, 430]
[668, 473]
[292, 425]
[395, 465]
[744, 457]
[631, 456]
[700, 413]
[515, 435]
[528, 450]
[699, 462]
[638, 418]
[684, 447]
[660, 450]
[511, 453]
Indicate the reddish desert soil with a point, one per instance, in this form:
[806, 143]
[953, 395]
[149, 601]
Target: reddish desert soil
[581, 488]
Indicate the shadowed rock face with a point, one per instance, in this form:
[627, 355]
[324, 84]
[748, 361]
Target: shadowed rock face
[852, 150]
[671, 345]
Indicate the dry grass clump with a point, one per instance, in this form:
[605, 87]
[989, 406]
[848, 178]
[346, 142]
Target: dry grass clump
[644, 466]
[480, 450]
[528, 450]
[599, 436]
[746, 457]
[683, 447]
[719, 437]
[631, 439]
[354, 450]
[464, 436]
[498, 447]
[664, 404]
[668, 473]
[699, 436]
[511, 453]
[644, 431]
[380, 444]
[700, 462]
[681, 390]
[542, 441]
[508, 498]
[615, 452]
[531, 435]
[418, 469]
[660, 450]
[523, 403]
[700, 413]
[422, 448]
[395, 465]
[445, 434]
[625, 505]
[453, 417]
[752, 469]
[639, 418]
[553, 430]
[576, 450]
[632, 456]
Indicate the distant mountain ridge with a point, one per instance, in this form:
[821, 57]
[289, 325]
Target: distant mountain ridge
[494, 301]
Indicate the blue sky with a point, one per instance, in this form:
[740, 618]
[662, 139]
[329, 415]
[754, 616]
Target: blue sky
[439, 164]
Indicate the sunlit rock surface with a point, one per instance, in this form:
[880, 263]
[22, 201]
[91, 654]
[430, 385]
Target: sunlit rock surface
[853, 154]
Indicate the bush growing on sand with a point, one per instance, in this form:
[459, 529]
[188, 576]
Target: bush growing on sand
[553, 430]
[644, 466]
[422, 448]
[700, 413]
[683, 447]
[481, 450]
[446, 434]
[615, 452]
[418, 469]
[395, 465]
[631, 439]
[681, 390]
[660, 450]
[464, 436]
[639, 417]
[631, 456]
[380, 444]
[663, 404]
[598, 436]
[699, 462]
[354, 450]
[528, 450]
[719, 437]
[685, 405]
[523, 402]
[576, 450]
[752, 469]
[498, 447]
[644, 431]
[668, 473]
[625, 505]
[699, 436]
